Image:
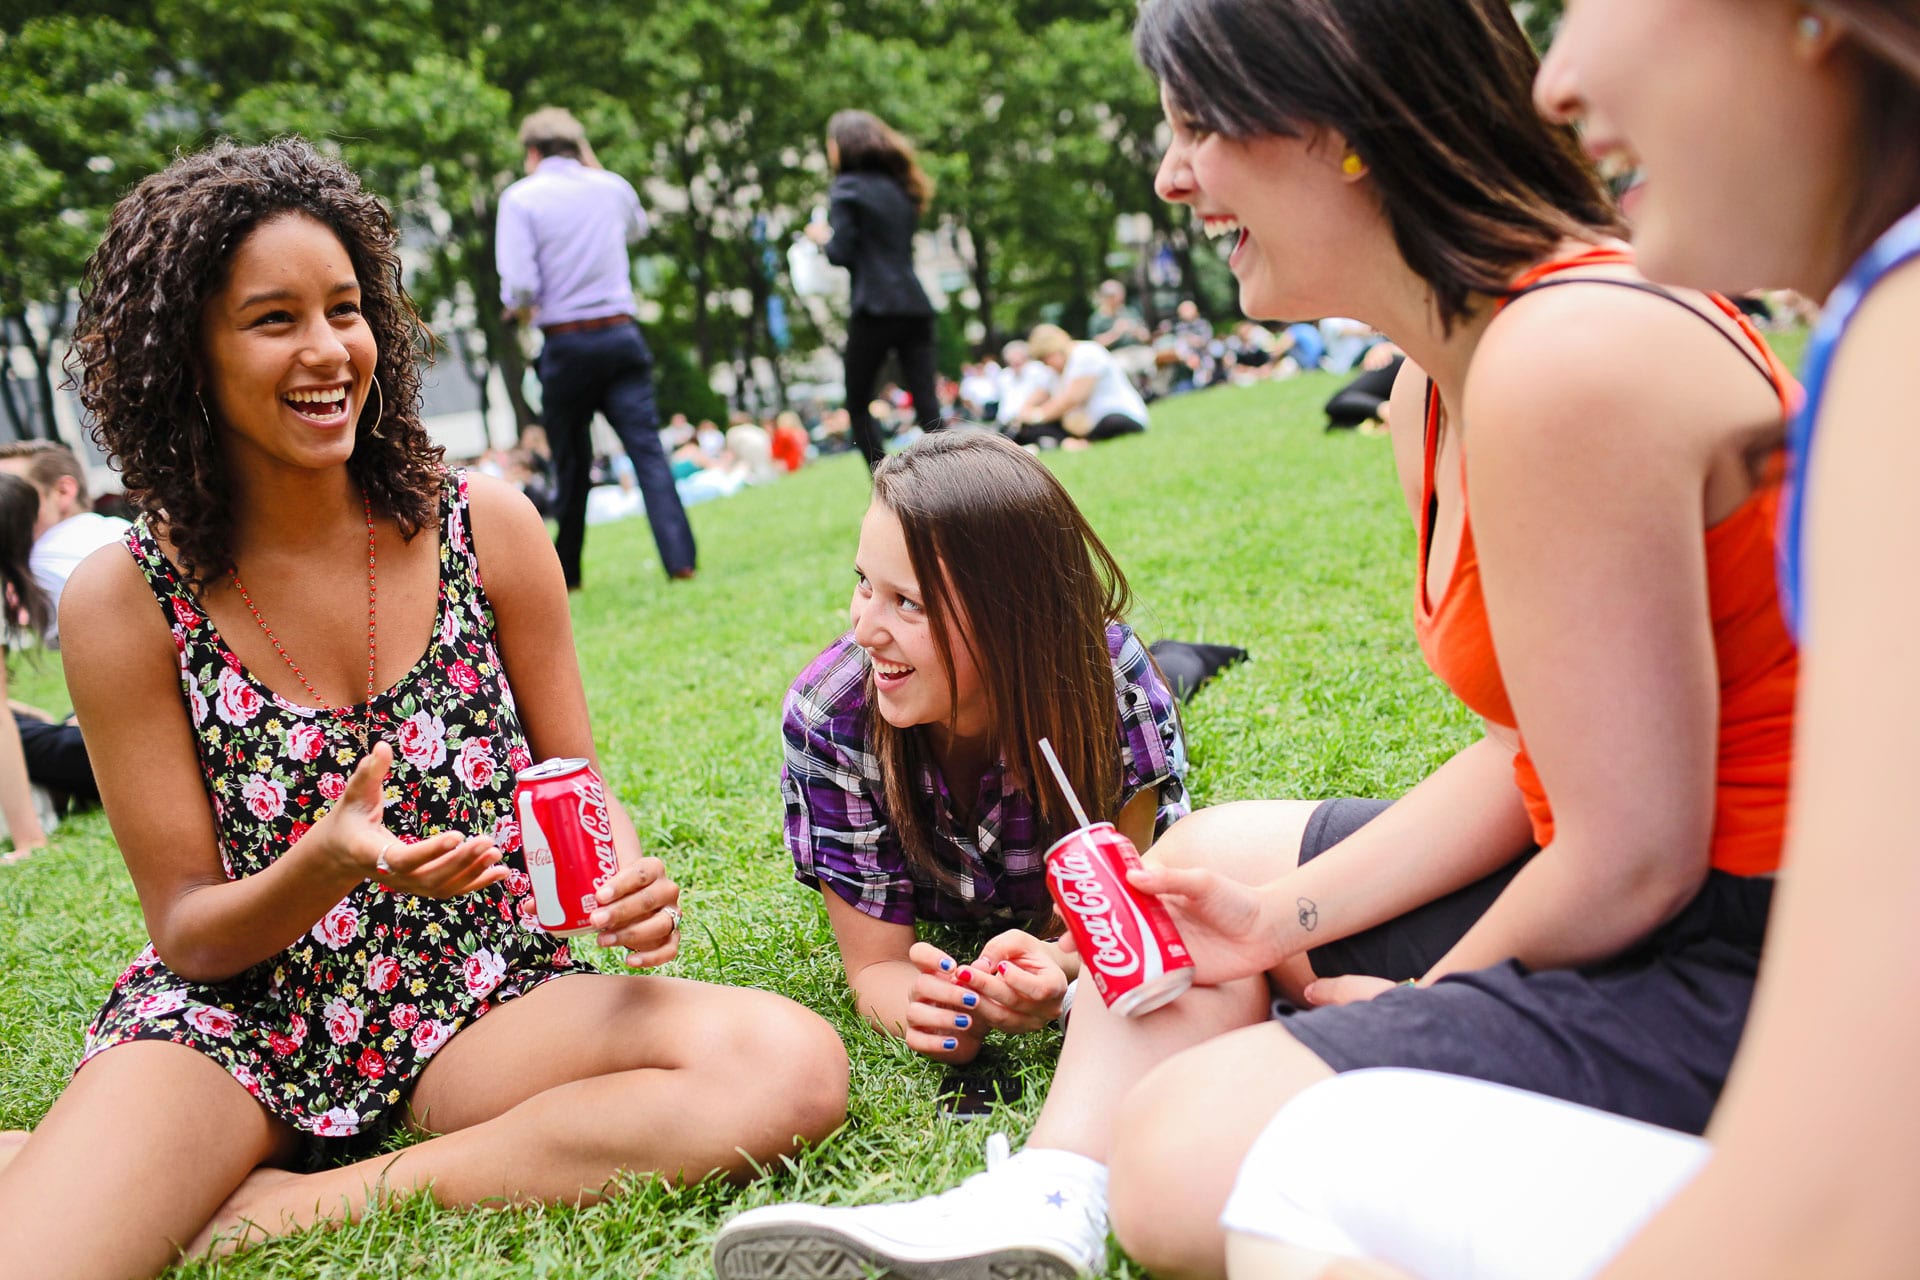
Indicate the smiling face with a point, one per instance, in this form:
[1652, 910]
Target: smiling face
[889, 618]
[1729, 115]
[1282, 202]
[288, 358]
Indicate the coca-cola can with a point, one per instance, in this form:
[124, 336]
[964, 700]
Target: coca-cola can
[1126, 938]
[566, 836]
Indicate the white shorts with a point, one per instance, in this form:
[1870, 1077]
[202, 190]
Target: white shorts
[1449, 1178]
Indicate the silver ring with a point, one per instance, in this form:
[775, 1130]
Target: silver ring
[380, 866]
[673, 914]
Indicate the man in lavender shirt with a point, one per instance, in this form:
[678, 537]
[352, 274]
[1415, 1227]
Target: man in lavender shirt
[562, 253]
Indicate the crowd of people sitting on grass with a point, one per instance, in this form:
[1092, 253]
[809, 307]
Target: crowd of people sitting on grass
[1496, 1027]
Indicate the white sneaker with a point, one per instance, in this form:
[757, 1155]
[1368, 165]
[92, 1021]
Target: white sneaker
[1040, 1215]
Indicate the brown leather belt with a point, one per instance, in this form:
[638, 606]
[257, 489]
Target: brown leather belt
[582, 326]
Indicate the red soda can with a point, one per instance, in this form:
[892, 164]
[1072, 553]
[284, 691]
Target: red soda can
[566, 836]
[1126, 938]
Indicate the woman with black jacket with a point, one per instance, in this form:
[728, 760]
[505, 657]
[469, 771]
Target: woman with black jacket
[878, 195]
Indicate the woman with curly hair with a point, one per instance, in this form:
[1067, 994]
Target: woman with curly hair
[316, 812]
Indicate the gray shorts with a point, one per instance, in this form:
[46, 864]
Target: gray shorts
[1649, 1034]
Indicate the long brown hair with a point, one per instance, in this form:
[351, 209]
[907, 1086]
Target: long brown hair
[1010, 568]
[1886, 35]
[1435, 96]
[867, 144]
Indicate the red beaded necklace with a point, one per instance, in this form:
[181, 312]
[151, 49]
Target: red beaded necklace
[362, 730]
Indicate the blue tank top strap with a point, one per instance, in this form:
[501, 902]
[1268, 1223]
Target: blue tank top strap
[1893, 250]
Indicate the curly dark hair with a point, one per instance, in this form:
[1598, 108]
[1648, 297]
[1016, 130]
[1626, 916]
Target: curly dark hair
[136, 347]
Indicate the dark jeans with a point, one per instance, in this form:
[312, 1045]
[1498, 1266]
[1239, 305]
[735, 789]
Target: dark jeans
[869, 339]
[609, 371]
[56, 757]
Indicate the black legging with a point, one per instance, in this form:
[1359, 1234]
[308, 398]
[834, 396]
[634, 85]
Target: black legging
[1113, 424]
[1360, 400]
[869, 338]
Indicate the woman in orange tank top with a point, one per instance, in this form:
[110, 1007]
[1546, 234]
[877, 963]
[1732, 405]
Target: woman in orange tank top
[1574, 904]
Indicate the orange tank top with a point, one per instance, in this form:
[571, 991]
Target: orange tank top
[1756, 656]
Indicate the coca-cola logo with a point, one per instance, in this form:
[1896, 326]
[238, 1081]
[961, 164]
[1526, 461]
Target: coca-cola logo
[597, 821]
[1078, 886]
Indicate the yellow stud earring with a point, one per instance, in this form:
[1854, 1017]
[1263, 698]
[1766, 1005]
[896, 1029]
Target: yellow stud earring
[1353, 165]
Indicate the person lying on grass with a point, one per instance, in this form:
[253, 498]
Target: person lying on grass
[1575, 902]
[306, 712]
[986, 615]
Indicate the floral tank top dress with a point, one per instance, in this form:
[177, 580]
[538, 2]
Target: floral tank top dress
[331, 1034]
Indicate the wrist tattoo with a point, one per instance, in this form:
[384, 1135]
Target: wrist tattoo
[1309, 913]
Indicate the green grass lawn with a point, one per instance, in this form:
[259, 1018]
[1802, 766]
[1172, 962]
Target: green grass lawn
[1237, 520]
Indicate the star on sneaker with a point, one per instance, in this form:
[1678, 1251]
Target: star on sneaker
[1020, 1220]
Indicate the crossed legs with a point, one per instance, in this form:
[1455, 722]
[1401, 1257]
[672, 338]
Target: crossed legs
[547, 1098]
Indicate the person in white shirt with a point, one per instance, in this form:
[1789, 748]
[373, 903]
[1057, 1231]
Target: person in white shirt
[1095, 400]
[1023, 382]
[66, 529]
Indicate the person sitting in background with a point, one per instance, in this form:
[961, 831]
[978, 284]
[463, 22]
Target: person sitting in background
[1193, 343]
[789, 441]
[65, 528]
[1024, 382]
[1095, 399]
[980, 390]
[1301, 347]
[1367, 399]
[28, 614]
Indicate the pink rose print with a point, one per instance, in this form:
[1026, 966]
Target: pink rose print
[371, 1064]
[333, 785]
[529, 912]
[236, 700]
[338, 927]
[183, 614]
[305, 743]
[423, 740]
[248, 1080]
[281, 1043]
[429, 1036]
[383, 974]
[519, 883]
[266, 799]
[160, 1004]
[464, 677]
[343, 1020]
[197, 705]
[449, 626]
[519, 758]
[457, 535]
[337, 1123]
[297, 830]
[210, 1021]
[404, 1016]
[297, 1028]
[474, 765]
[484, 970]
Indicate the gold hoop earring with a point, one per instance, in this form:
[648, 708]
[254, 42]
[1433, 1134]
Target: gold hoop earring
[375, 432]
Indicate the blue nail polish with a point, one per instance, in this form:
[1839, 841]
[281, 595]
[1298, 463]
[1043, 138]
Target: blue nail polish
[949, 1043]
[961, 1020]
[969, 999]
[945, 965]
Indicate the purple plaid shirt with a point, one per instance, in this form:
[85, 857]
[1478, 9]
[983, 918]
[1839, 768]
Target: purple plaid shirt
[837, 825]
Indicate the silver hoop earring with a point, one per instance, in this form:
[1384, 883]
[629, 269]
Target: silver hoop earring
[376, 433]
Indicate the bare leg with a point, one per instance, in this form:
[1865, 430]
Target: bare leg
[1252, 841]
[1211, 1101]
[131, 1161]
[549, 1097]
[11, 1140]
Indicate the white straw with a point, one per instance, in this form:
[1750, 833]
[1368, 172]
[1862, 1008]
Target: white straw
[1066, 788]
